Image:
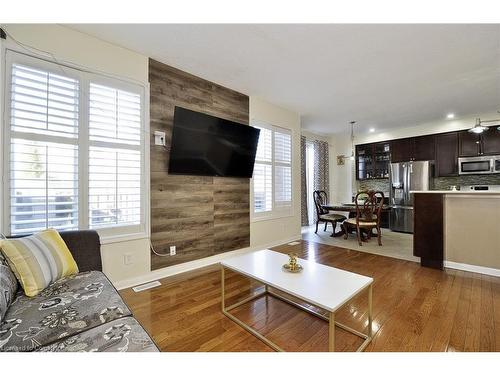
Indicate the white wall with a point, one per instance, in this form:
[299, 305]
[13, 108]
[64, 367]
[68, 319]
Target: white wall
[78, 48]
[344, 176]
[70, 46]
[287, 228]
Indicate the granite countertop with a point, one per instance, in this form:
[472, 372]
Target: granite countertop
[468, 192]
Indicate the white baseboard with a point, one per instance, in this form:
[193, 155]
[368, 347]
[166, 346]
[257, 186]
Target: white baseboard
[195, 264]
[472, 268]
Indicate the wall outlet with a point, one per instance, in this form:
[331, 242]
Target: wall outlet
[173, 251]
[128, 259]
[159, 138]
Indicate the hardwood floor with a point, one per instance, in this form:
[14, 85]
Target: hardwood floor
[415, 309]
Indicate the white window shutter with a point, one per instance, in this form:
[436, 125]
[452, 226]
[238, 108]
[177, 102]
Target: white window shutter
[272, 178]
[262, 188]
[114, 157]
[43, 103]
[114, 115]
[74, 150]
[283, 168]
[43, 152]
[262, 174]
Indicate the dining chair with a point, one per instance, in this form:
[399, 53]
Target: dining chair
[323, 215]
[368, 210]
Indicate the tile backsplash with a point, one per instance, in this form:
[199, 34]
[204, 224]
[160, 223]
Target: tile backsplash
[378, 185]
[437, 183]
[445, 183]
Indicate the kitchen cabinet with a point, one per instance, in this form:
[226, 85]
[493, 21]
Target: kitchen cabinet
[413, 149]
[447, 154]
[400, 150]
[469, 143]
[372, 161]
[491, 141]
[424, 148]
[364, 161]
[486, 143]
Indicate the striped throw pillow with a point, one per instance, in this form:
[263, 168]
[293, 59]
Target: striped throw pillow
[39, 260]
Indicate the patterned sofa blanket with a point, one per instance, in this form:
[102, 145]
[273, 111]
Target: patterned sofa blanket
[67, 307]
[121, 335]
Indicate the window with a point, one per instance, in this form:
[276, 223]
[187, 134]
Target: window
[114, 157]
[272, 177]
[74, 150]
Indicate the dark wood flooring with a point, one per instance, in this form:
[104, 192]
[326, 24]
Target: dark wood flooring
[415, 309]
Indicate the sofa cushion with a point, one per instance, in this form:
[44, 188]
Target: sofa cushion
[8, 286]
[121, 335]
[67, 307]
[39, 260]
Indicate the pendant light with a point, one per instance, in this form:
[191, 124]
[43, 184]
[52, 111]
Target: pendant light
[352, 139]
[478, 128]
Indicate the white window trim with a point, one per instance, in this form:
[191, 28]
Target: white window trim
[275, 213]
[11, 54]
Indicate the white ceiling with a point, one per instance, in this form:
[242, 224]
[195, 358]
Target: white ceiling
[383, 76]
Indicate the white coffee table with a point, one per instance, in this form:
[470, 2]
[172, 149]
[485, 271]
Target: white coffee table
[322, 286]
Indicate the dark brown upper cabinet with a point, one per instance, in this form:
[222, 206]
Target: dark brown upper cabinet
[400, 150]
[413, 149]
[469, 144]
[490, 141]
[447, 154]
[486, 143]
[424, 148]
[372, 161]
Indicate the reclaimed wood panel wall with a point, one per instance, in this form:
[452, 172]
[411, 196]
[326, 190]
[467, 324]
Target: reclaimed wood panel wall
[201, 216]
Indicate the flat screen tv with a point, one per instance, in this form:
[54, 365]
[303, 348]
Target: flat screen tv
[205, 145]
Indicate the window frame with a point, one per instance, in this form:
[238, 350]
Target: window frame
[276, 212]
[85, 77]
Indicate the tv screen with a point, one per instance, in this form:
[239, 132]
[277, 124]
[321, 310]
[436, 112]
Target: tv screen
[210, 146]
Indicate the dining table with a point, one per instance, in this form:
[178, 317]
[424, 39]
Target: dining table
[347, 207]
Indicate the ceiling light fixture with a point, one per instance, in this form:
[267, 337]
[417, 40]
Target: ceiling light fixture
[341, 158]
[450, 116]
[478, 128]
[352, 139]
[371, 130]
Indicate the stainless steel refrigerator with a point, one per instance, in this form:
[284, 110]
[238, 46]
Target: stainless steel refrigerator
[406, 177]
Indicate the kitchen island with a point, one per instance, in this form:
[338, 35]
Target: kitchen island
[458, 229]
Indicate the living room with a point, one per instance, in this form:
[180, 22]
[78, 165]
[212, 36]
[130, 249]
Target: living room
[168, 189]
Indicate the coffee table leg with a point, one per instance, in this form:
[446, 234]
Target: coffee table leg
[370, 313]
[331, 333]
[222, 277]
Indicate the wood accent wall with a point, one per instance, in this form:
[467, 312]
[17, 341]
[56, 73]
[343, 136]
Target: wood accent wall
[201, 216]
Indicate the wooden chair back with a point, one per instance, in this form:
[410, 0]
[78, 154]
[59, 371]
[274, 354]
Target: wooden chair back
[320, 198]
[369, 206]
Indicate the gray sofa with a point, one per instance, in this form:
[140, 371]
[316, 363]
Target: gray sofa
[83, 312]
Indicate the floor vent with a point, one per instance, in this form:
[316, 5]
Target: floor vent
[293, 243]
[142, 287]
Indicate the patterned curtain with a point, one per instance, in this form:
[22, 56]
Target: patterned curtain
[321, 166]
[303, 183]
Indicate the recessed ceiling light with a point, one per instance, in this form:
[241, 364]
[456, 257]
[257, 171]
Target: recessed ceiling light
[450, 115]
[372, 130]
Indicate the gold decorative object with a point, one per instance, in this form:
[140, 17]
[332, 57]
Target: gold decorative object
[341, 159]
[292, 265]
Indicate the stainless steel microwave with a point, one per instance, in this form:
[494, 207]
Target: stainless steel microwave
[479, 165]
